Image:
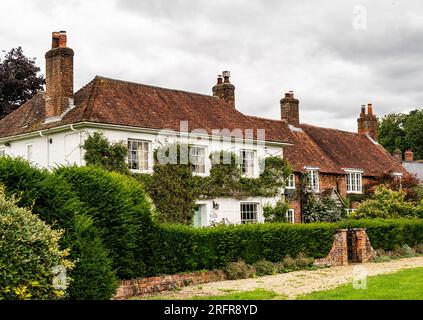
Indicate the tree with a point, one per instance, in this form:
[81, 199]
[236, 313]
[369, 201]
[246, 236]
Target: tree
[276, 213]
[402, 131]
[19, 80]
[100, 152]
[413, 128]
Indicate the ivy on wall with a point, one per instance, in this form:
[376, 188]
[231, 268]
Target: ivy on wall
[174, 188]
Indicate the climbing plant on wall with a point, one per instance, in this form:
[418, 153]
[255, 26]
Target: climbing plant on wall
[174, 188]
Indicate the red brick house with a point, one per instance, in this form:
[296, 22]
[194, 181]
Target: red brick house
[339, 163]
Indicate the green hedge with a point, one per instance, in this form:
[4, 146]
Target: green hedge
[121, 211]
[180, 248]
[388, 233]
[51, 198]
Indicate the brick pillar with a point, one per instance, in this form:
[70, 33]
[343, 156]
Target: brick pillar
[338, 256]
[362, 250]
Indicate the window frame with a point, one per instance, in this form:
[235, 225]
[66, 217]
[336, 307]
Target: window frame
[29, 150]
[253, 162]
[250, 220]
[148, 151]
[292, 213]
[204, 165]
[290, 184]
[314, 179]
[354, 181]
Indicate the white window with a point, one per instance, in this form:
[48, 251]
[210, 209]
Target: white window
[29, 152]
[138, 155]
[249, 213]
[354, 184]
[247, 162]
[290, 216]
[313, 180]
[290, 183]
[2, 152]
[198, 159]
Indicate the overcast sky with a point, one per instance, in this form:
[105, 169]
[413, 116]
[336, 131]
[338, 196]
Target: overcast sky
[335, 55]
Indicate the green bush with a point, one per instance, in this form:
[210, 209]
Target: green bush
[387, 204]
[320, 210]
[180, 248]
[289, 263]
[264, 268]
[120, 209]
[52, 199]
[239, 270]
[303, 262]
[29, 252]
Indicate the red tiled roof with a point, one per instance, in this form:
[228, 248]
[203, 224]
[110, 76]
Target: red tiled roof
[119, 102]
[334, 150]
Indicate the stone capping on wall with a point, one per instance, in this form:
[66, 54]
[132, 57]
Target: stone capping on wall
[143, 286]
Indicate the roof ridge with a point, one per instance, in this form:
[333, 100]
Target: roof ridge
[262, 118]
[152, 86]
[333, 129]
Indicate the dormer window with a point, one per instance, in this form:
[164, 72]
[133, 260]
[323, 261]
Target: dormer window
[354, 181]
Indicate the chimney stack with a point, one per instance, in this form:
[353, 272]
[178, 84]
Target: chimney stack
[398, 155]
[290, 109]
[59, 77]
[409, 156]
[224, 89]
[368, 123]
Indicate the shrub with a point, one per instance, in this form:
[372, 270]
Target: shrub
[419, 248]
[303, 262]
[52, 199]
[120, 209]
[264, 267]
[276, 213]
[387, 204]
[29, 250]
[100, 152]
[320, 210]
[403, 251]
[239, 270]
[289, 263]
[381, 259]
[380, 252]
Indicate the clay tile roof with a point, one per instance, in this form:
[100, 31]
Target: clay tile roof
[117, 102]
[335, 150]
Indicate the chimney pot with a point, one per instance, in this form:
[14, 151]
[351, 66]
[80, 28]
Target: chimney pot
[219, 79]
[224, 89]
[62, 39]
[55, 39]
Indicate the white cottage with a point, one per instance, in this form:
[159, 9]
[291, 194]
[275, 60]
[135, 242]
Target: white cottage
[49, 129]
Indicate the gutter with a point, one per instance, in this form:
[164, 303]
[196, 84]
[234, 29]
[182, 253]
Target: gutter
[129, 128]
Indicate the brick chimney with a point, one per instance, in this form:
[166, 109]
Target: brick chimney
[290, 109]
[59, 77]
[368, 123]
[398, 155]
[409, 156]
[224, 89]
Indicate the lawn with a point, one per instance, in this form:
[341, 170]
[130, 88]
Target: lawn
[402, 285]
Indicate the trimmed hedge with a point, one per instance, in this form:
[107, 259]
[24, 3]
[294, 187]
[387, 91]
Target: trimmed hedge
[51, 198]
[121, 211]
[180, 248]
[387, 233]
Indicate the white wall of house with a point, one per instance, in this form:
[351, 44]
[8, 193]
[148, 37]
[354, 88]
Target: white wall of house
[63, 148]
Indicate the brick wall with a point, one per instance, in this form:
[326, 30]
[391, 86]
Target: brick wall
[143, 286]
[338, 256]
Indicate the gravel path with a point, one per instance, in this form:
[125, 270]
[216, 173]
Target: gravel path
[298, 282]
